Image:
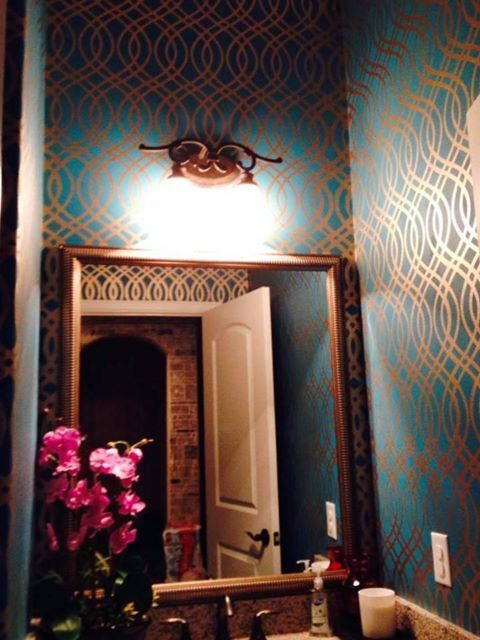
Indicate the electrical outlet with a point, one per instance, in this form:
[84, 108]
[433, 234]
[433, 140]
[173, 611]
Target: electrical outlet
[331, 520]
[441, 559]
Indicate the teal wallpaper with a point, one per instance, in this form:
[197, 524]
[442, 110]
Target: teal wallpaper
[267, 74]
[272, 75]
[304, 411]
[413, 71]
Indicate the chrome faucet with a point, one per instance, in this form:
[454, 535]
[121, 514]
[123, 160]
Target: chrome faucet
[257, 632]
[228, 606]
[184, 629]
[224, 611]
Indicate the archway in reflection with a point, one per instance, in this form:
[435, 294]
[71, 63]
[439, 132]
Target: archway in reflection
[123, 397]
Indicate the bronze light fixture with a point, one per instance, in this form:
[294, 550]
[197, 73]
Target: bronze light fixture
[230, 164]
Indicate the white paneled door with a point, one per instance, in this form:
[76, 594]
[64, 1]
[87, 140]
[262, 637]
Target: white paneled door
[240, 449]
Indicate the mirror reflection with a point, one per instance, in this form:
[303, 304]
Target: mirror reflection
[148, 371]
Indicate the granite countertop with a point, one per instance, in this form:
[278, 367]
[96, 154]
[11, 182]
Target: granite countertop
[300, 635]
[345, 635]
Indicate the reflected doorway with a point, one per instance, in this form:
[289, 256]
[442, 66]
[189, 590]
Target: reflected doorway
[136, 381]
[123, 397]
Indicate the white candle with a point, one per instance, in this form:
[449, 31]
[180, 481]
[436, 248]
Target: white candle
[377, 612]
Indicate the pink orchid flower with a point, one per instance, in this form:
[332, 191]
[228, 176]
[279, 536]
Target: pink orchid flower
[99, 499]
[52, 538]
[129, 503]
[97, 520]
[55, 489]
[135, 454]
[78, 496]
[75, 539]
[96, 516]
[109, 461]
[126, 470]
[62, 438]
[122, 537]
[59, 453]
[103, 460]
[68, 463]
[60, 450]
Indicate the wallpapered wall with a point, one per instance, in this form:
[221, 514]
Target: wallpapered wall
[304, 411]
[265, 73]
[269, 74]
[20, 245]
[413, 70]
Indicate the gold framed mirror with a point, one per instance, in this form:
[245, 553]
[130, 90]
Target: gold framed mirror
[74, 262]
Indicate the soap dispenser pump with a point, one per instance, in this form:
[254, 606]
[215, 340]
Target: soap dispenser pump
[306, 564]
[319, 607]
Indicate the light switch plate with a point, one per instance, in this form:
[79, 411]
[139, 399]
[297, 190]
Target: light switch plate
[331, 520]
[441, 559]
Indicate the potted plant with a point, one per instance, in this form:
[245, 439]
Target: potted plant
[97, 591]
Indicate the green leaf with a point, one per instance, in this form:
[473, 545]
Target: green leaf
[68, 628]
[135, 592]
[119, 579]
[102, 563]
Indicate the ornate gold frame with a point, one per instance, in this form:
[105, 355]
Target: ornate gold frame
[73, 257]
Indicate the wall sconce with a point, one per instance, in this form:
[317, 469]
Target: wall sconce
[207, 167]
[210, 200]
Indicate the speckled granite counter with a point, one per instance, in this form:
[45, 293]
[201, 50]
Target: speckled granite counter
[304, 635]
[301, 635]
[293, 620]
[424, 625]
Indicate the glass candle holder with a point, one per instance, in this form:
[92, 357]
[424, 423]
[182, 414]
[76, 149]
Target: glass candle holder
[377, 612]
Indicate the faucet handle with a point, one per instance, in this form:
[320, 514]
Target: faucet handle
[228, 606]
[257, 627]
[185, 630]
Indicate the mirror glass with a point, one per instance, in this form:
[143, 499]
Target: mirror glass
[142, 375]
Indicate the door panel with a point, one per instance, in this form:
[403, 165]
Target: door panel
[233, 418]
[240, 449]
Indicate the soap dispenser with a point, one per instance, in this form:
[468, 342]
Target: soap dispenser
[319, 607]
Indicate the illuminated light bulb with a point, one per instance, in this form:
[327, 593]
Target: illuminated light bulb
[162, 211]
[253, 218]
[180, 216]
[211, 211]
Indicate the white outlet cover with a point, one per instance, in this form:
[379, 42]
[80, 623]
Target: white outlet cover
[331, 520]
[441, 559]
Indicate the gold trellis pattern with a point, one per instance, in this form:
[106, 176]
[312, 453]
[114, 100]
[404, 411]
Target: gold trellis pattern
[160, 283]
[267, 74]
[413, 72]
[304, 406]
[181, 284]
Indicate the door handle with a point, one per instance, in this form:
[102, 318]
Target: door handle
[263, 537]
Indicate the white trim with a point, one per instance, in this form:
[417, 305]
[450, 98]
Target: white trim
[150, 308]
[144, 308]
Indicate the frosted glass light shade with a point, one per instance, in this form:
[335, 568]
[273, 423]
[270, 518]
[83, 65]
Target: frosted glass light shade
[179, 215]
